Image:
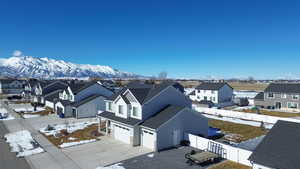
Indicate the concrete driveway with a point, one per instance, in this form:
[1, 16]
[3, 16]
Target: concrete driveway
[101, 153]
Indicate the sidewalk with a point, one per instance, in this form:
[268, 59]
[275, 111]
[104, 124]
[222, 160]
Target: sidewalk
[53, 158]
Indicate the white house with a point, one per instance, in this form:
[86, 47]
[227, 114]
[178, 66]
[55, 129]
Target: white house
[153, 116]
[11, 86]
[213, 94]
[279, 149]
[82, 100]
[42, 90]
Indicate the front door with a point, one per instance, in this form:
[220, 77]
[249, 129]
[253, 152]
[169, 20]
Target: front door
[74, 113]
[278, 105]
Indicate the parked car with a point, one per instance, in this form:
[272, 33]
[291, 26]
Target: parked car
[3, 115]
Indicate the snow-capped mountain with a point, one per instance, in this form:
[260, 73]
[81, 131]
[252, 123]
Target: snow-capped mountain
[28, 66]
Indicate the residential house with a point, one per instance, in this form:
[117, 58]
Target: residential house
[41, 92]
[81, 100]
[52, 98]
[11, 86]
[213, 94]
[31, 86]
[152, 116]
[279, 149]
[282, 96]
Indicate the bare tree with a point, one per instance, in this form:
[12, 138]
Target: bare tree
[162, 75]
[251, 78]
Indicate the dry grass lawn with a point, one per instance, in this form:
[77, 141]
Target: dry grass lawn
[45, 112]
[272, 113]
[248, 86]
[229, 165]
[90, 132]
[246, 131]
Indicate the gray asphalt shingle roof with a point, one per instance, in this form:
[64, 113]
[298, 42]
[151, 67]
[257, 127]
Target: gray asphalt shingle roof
[144, 92]
[283, 88]
[259, 96]
[211, 86]
[162, 116]
[53, 87]
[129, 121]
[280, 147]
[53, 96]
[86, 100]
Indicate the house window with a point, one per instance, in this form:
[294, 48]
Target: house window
[212, 92]
[205, 97]
[109, 106]
[295, 97]
[292, 105]
[283, 95]
[134, 111]
[270, 95]
[121, 109]
[213, 99]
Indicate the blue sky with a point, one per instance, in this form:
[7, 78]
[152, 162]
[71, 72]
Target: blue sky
[192, 39]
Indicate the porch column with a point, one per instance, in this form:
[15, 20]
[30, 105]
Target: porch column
[106, 130]
[99, 124]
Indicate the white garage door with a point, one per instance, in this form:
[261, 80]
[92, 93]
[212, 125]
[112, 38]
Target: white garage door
[122, 133]
[148, 139]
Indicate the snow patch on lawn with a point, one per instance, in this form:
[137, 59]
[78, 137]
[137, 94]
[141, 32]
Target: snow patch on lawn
[22, 143]
[27, 116]
[115, 166]
[72, 138]
[29, 109]
[64, 145]
[70, 127]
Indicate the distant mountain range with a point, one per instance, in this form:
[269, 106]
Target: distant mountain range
[28, 66]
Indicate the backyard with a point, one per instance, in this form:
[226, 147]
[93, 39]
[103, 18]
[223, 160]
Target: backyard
[244, 132]
[229, 165]
[271, 113]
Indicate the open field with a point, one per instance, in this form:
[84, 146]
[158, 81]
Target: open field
[272, 113]
[246, 131]
[194, 83]
[87, 133]
[248, 86]
[229, 165]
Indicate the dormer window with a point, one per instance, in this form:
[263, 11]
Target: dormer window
[134, 111]
[270, 95]
[121, 111]
[109, 104]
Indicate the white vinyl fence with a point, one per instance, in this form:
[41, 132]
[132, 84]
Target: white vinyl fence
[235, 154]
[244, 116]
